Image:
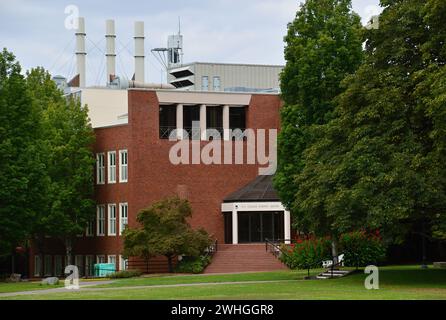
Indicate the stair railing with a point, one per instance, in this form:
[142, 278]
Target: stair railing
[274, 247]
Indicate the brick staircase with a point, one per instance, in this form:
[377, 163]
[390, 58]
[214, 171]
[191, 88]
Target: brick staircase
[232, 258]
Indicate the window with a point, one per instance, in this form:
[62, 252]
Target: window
[100, 168]
[79, 262]
[100, 225]
[112, 220]
[205, 83]
[89, 229]
[112, 167]
[124, 216]
[37, 265]
[191, 114]
[48, 265]
[122, 263]
[100, 258]
[216, 83]
[89, 265]
[237, 118]
[123, 166]
[167, 120]
[214, 120]
[58, 266]
[112, 259]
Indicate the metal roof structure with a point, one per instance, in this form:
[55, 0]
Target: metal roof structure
[258, 190]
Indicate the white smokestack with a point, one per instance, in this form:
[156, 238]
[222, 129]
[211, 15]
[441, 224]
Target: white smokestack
[139, 51]
[80, 51]
[110, 54]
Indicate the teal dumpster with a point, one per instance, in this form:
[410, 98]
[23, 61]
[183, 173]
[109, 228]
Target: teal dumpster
[104, 269]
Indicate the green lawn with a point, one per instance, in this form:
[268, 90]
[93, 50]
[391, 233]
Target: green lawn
[401, 282]
[25, 286]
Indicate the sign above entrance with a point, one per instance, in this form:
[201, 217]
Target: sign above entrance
[252, 206]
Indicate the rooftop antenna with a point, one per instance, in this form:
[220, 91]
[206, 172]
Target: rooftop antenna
[172, 56]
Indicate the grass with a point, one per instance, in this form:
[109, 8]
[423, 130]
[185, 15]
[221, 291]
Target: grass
[399, 282]
[6, 287]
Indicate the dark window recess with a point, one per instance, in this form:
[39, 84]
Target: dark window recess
[191, 114]
[214, 119]
[259, 226]
[228, 227]
[237, 120]
[167, 121]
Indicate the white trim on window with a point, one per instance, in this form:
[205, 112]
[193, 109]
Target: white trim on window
[89, 230]
[100, 258]
[100, 220]
[112, 219]
[111, 156]
[89, 265]
[112, 259]
[47, 265]
[122, 263]
[123, 216]
[79, 263]
[100, 168]
[123, 166]
[37, 265]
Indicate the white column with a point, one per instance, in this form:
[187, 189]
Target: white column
[139, 51]
[110, 37]
[287, 225]
[226, 123]
[203, 122]
[80, 52]
[180, 121]
[234, 226]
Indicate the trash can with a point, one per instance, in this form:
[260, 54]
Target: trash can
[104, 269]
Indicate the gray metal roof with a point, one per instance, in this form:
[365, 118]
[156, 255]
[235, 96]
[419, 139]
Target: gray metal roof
[260, 189]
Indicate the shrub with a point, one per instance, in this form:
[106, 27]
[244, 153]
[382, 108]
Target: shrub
[125, 274]
[361, 248]
[306, 253]
[193, 264]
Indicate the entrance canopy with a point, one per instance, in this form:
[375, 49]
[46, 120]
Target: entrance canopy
[246, 213]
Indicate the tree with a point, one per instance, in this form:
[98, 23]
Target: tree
[21, 169]
[323, 45]
[379, 163]
[165, 231]
[67, 140]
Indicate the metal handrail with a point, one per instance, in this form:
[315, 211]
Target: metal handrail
[212, 249]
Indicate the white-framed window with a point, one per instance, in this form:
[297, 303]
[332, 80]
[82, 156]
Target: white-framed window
[100, 258]
[89, 231]
[216, 83]
[79, 262]
[48, 265]
[123, 166]
[100, 223]
[58, 270]
[112, 219]
[123, 216]
[37, 265]
[100, 168]
[112, 167]
[89, 265]
[122, 263]
[112, 259]
[205, 83]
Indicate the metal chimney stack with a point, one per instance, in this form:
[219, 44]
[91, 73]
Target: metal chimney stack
[80, 51]
[139, 51]
[110, 38]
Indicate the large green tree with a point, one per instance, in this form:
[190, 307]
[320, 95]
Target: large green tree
[323, 45]
[67, 139]
[380, 163]
[21, 169]
[164, 231]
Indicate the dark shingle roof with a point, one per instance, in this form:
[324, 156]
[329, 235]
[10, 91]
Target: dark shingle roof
[260, 189]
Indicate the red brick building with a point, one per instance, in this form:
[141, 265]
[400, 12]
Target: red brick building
[134, 170]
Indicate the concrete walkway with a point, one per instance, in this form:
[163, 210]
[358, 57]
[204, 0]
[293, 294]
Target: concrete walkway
[88, 287]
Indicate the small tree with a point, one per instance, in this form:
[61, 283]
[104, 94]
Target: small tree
[165, 231]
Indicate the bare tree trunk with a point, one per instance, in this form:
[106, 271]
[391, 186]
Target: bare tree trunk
[69, 250]
[170, 264]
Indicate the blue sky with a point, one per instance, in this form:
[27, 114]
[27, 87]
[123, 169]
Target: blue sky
[239, 31]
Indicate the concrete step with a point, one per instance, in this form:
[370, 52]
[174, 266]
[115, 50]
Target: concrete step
[243, 258]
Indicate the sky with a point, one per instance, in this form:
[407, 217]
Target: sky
[231, 31]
